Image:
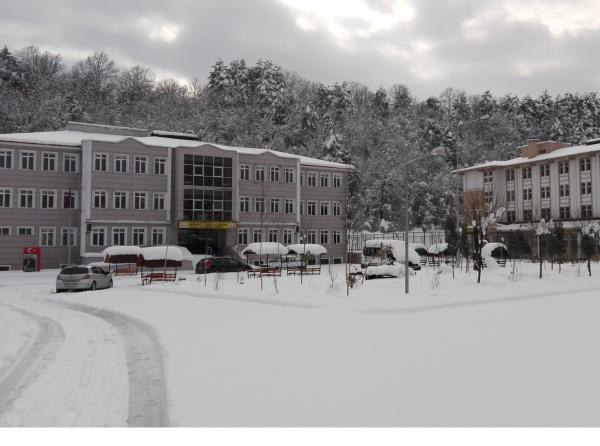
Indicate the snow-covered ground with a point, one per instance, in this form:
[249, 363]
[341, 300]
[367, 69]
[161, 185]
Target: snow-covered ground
[511, 351]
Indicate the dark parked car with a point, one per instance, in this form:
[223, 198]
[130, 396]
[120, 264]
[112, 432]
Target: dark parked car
[221, 264]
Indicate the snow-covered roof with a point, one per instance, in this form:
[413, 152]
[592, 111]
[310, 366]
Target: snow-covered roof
[122, 250]
[555, 154]
[486, 250]
[265, 249]
[71, 138]
[176, 253]
[298, 248]
[436, 248]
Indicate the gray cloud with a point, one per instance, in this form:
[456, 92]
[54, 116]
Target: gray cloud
[467, 44]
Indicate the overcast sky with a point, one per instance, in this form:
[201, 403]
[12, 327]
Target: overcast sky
[516, 46]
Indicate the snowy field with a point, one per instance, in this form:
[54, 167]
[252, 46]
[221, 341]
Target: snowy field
[511, 351]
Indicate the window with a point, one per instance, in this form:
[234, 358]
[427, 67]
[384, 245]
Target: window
[289, 175]
[274, 174]
[259, 205]
[337, 209]
[544, 170]
[563, 167]
[274, 205]
[139, 236]
[98, 236]
[101, 162]
[99, 200]
[5, 197]
[510, 175]
[585, 164]
[273, 235]
[4, 230]
[49, 161]
[48, 199]
[140, 165]
[488, 196]
[26, 198]
[69, 199]
[324, 208]
[312, 179]
[511, 216]
[563, 190]
[27, 160]
[301, 207]
[311, 208]
[324, 179]
[244, 172]
[6, 159]
[337, 180]
[289, 205]
[211, 171]
[565, 212]
[160, 164]
[119, 236]
[586, 188]
[259, 173]
[546, 215]
[120, 199]
[68, 237]
[526, 172]
[139, 200]
[158, 200]
[244, 204]
[324, 237]
[25, 230]
[337, 237]
[311, 236]
[256, 235]
[159, 236]
[301, 179]
[586, 211]
[487, 176]
[527, 215]
[526, 194]
[47, 236]
[510, 195]
[288, 236]
[121, 163]
[242, 236]
[545, 192]
[70, 163]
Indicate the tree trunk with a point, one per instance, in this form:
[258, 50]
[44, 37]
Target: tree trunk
[540, 253]
[589, 266]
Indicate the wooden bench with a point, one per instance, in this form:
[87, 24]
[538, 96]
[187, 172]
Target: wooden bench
[158, 277]
[307, 270]
[269, 272]
[126, 271]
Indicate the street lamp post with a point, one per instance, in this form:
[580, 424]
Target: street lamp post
[438, 151]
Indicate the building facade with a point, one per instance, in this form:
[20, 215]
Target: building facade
[77, 191]
[553, 181]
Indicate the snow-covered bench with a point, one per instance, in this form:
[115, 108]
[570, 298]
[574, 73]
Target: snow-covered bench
[158, 277]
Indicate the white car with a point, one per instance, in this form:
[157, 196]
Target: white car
[83, 277]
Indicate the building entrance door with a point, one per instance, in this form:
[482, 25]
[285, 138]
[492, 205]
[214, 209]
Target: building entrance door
[203, 241]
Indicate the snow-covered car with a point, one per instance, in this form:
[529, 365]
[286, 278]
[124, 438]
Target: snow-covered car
[83, 277]
[391, 270]
[372, 252]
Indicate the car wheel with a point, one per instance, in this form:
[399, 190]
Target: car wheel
[93, 286]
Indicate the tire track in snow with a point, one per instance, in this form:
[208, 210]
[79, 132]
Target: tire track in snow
[34, 361]
[147, 387]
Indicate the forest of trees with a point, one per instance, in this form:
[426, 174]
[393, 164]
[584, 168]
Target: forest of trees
[263, 105]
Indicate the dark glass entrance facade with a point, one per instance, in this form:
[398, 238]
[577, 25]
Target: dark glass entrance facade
[203, 241]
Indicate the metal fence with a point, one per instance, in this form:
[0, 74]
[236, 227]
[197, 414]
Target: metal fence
[356, 240]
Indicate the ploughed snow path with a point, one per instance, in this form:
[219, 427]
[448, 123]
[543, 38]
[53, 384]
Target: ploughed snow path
[74, 365]
[511, 351]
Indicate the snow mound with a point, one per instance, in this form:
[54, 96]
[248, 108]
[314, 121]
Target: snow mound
[301, 248]
[488, 248]
[437, 248]
[397, 249]
[265, 249]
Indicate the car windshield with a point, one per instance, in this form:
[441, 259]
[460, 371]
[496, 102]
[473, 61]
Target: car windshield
[74, 270]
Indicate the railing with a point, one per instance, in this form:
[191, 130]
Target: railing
[356, 240]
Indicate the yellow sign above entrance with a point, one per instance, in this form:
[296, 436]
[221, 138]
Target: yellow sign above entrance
[193, 224]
